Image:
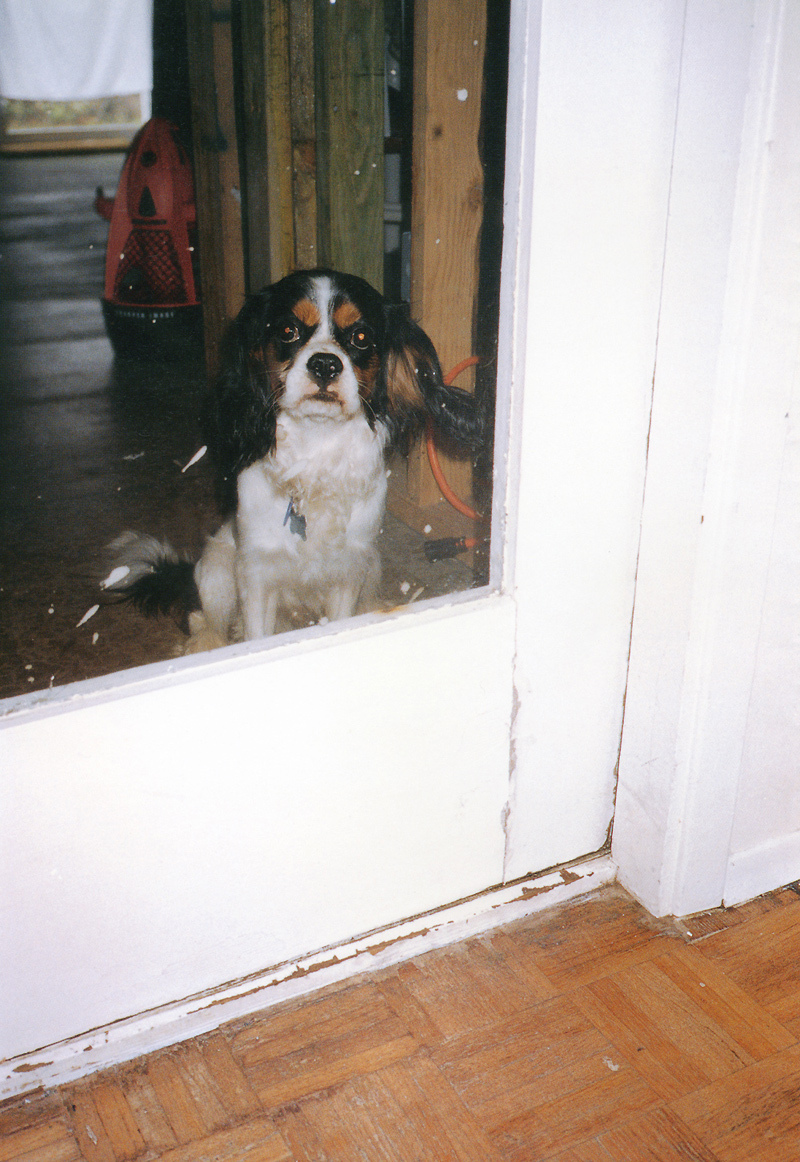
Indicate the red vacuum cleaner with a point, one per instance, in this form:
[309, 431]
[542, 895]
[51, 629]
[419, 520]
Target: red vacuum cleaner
[151, 302]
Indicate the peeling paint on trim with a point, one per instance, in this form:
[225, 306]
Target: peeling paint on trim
[376, 949]
[159, 1028]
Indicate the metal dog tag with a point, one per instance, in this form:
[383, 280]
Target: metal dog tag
[295, 520]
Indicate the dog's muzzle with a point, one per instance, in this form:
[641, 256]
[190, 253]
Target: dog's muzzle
[324, 367]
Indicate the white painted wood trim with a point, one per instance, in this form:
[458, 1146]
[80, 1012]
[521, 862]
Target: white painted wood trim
[163, 675]
[594, 107]
[523, 82]
[762, 869]
[125, 1040]
[706, 534]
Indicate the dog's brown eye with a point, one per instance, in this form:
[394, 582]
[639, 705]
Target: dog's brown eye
[290, 333]
[361, 338]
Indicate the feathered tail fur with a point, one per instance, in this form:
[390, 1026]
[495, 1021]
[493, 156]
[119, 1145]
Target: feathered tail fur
[151, 575]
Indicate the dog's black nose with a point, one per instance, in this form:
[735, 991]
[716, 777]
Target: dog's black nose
[325, 367]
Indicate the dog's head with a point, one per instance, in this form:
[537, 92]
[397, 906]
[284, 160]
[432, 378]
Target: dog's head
[325, 346]
[320, 344]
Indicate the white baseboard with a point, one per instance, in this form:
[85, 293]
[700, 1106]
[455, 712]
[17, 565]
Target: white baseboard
[762, 869]
[138, 1035]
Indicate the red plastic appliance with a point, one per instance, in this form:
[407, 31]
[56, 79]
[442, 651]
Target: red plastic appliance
[151, 301]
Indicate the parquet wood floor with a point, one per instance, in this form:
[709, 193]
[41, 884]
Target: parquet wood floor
[589, 1033]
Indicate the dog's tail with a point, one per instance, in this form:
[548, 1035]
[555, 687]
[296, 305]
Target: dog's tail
[151, 575]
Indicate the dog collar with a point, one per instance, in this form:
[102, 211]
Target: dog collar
[295, 520]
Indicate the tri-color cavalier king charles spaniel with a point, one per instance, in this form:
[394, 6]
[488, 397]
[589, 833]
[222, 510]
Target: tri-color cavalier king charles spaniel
[320, 378]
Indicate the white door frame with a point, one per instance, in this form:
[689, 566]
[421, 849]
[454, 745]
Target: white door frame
[725, 374]
[592, 104]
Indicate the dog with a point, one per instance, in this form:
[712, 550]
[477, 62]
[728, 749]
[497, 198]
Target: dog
[320, 379]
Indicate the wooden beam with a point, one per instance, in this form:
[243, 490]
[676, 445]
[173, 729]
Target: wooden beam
[216, 167]
[266, 141]
[447, 200]
[303, 131]
[350, 121]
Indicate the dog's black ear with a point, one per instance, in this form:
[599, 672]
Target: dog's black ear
[415, 389]
[239, 414]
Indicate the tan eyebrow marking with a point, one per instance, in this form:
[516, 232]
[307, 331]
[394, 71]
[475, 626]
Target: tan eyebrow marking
[306, 312]
[346, 314]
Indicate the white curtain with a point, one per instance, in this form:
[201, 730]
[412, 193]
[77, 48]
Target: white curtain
[72, 50]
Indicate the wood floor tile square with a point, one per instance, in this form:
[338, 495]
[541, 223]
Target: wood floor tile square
[228, 1079]
[487, 1066]
[150, 1118]
[118, 1121]
[18, 1113]
[311, 1135]
[761, 956]
[331, 1064]
[536, 984]
[656, 1136]
[257, 1141]
[321, 1017]
[428, 1100]
[562, 1109]
[47, 1142]
[409, 1011]
[404, 1112]
[752, 1116]
[635, 1038]
[591, 938]
[475, 984]
[750, 1024]
[201, 1086]
[542, 1080]
[187, 1120]
[95, 1144]
[335, 1126]
[677, 1024]
[289, 1055]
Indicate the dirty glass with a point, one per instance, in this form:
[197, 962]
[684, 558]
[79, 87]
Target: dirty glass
[101, 425]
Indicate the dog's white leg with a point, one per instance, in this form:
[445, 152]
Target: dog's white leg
[259, 611]
[260, 620]
[370, 584]
[215, 574]
[258, 598]
[340, 602]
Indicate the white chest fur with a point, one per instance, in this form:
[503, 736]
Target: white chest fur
[332, 473]
[319, 460]
[329, 475]
[307, 519]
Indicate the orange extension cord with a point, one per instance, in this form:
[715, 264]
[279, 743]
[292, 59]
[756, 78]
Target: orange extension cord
[433, 457]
